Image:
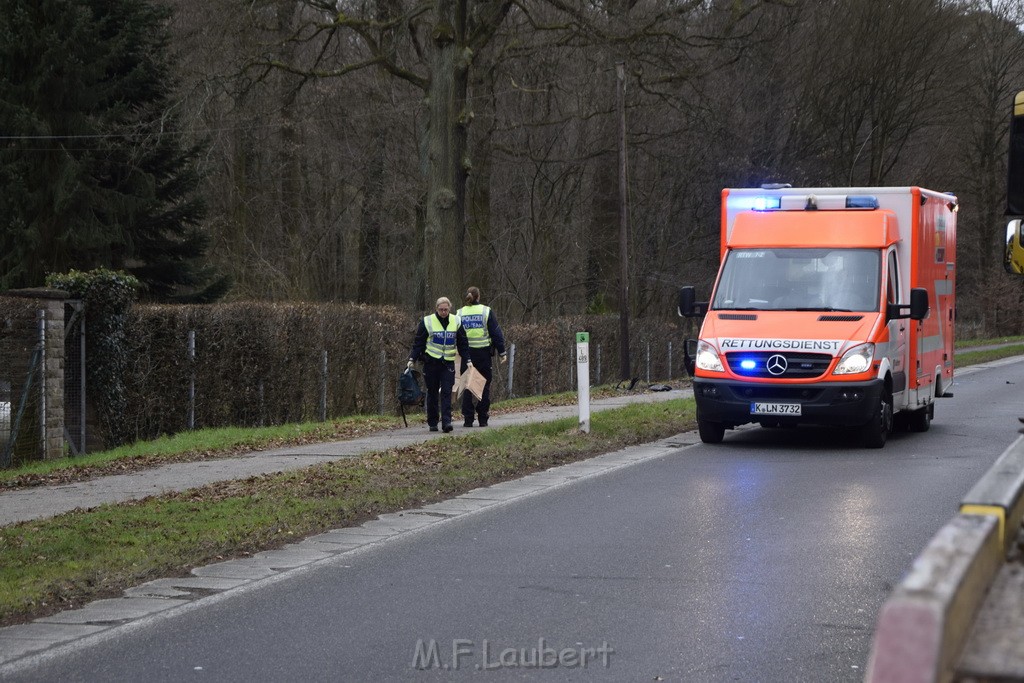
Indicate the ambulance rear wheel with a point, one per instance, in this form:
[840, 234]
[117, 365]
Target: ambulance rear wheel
[877, 429]
[710, 432]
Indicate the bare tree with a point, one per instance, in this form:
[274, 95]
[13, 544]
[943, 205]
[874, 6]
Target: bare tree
[477, 139]
[872, 78]
[992, 73]
[436, 47]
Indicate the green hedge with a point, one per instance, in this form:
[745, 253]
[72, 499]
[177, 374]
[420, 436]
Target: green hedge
[260, 363]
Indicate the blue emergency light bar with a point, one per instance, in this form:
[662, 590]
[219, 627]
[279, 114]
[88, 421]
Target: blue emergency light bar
[803, 202]
[767, 203]
[862, 202]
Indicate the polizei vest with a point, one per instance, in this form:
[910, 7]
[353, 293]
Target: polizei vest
[441, 342]
[474, 321]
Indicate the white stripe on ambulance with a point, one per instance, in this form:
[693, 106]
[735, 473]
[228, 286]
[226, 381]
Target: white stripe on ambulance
[831, 346]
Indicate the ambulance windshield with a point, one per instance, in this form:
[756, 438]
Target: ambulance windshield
[800, 280]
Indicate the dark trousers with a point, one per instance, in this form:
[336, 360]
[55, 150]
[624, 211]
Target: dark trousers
[482, 362]
[439, 377]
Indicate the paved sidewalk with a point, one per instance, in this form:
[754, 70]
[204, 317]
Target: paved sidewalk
[37, 502]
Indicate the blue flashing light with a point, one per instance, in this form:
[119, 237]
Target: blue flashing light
[755, 202]
[862, 202]
[748, 364]
[767, 203]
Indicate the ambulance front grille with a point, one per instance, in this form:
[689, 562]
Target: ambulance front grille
[779, 365]
[840, 318]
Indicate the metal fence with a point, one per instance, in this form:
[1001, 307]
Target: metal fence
[42, 378]
[529, 371]
[22, 388]
[21, 438]
[74, 377]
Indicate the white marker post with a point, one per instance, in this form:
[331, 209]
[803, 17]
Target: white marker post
[583, 378]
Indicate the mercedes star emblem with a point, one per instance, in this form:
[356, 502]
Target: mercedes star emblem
[777, 364]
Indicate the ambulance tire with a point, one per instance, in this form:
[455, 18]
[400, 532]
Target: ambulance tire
[710, 432]
[921, 420]
[876, 431]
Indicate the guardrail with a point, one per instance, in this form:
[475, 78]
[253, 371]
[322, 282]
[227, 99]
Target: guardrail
[924, 625]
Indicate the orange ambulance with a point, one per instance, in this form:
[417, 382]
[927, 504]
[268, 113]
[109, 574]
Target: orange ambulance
[832, 306]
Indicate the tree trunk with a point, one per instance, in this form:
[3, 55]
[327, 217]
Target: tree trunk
[444, 231]
[370, 266]
[479, 257]
[290, 173]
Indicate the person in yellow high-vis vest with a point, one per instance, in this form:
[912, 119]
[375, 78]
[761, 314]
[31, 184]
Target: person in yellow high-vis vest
[485, 338]
[438, 337]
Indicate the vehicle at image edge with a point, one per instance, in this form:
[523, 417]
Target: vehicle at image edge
[1013, 256]
[832, 306]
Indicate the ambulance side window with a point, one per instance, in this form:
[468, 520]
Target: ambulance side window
[892, 286]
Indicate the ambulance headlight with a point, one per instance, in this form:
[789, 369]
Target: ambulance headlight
[707, 358]
[857, 359]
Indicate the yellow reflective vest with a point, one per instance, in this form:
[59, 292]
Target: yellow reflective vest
[441, 342]
[474, 321]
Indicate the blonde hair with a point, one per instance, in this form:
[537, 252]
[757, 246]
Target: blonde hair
[443, 300]
[472, 296]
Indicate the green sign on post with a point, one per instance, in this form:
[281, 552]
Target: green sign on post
[582, 337]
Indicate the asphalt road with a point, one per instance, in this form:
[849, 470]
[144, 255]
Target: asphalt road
[765, 558]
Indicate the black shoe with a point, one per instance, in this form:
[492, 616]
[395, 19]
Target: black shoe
[447, 428]
[483, 421]
[433, 428]
[467, 423]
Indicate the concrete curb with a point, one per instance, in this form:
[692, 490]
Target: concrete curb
[923, 626]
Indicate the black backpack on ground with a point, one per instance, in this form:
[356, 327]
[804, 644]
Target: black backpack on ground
[409, 391]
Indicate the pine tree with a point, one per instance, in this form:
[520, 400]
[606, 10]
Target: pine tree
[94, 170]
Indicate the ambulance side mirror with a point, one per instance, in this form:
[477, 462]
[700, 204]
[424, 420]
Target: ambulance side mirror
[917, 310]
[688, 306]
[918, 303]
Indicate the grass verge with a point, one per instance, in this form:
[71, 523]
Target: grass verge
[62, 562]
[964, 358]
[972, 343]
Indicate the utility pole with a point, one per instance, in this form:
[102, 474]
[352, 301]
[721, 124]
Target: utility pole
[620, 88]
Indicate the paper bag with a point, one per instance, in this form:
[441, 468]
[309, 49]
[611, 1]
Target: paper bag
[460, 384]
[474, 382]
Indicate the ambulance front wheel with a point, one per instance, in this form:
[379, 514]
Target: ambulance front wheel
[876, 431]
[710, 432]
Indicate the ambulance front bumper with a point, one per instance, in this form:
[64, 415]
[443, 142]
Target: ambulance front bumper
[733, 403]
